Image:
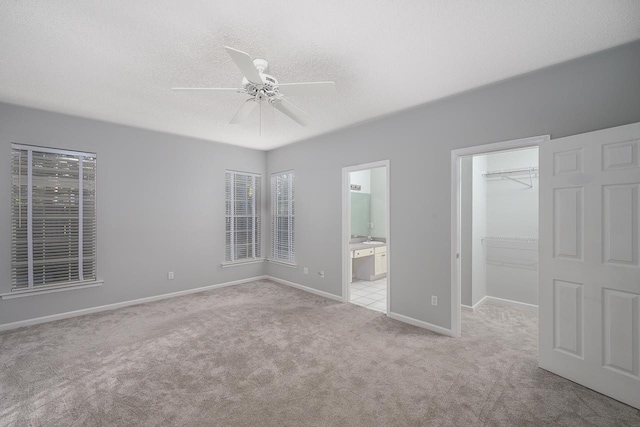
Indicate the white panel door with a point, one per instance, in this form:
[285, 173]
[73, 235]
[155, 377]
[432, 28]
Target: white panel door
[589, 260]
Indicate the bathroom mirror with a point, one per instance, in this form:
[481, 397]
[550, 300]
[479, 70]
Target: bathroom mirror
[368, 202]
[360, 213]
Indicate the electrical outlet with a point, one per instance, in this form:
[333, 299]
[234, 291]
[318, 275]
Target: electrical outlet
[321, 274]
[170, 275]
[434, 300]
[306, 270]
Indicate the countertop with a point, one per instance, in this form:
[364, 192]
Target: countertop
[358, 246]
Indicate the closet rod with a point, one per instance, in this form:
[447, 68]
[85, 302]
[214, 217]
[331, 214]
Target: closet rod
[509, 171]
[504, 174]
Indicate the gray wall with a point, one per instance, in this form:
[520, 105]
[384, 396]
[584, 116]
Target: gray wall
[590, 93]
[160, 209]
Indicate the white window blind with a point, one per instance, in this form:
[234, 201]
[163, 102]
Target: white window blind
[53, 217]
[282, 217]
[242, 216]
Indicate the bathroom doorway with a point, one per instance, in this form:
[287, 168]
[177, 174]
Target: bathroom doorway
[366, 237]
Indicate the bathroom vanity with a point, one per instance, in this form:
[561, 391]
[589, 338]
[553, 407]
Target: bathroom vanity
[368, 260]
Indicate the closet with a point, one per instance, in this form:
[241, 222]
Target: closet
[500, 228]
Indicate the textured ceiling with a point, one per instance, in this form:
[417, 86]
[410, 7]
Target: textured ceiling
[116, 60]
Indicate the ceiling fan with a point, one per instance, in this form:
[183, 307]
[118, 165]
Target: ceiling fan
[261, 86]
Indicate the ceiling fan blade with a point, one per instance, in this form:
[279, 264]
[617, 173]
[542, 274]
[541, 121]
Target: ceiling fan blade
[291, 111]
[307, 89]
[209, 88]
[244, 111]
[245, 63]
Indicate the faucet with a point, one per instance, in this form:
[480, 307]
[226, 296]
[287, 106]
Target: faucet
[368, 238]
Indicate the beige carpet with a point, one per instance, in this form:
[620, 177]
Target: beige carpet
[262, 354]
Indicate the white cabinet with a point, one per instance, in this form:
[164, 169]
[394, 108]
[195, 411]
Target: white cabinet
[380, 264]
[363, 252]
[369, 263]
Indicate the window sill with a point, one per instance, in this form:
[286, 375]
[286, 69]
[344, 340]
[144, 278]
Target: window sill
[52, 289]
[285, 263]
[242, 262]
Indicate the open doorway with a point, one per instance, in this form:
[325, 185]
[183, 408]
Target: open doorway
[499, 220]
[588, 216]
[366, 236]
[495, 235]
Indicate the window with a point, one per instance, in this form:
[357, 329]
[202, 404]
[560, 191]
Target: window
[53, 217]
[282, 217]
[242, 216]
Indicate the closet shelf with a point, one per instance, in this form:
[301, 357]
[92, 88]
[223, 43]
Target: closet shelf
[533, 265]
[510, 239]
[511, 173]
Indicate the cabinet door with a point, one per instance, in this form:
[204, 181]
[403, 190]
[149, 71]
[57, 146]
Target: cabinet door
[381, 264]
[362, 253]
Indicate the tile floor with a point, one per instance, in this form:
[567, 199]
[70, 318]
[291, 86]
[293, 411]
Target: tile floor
[371, 295]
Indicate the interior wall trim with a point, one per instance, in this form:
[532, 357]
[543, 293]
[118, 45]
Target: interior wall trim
[476, 305]
[511, 302]
[421, 324]
[97, 309]
[107, 307]
[395, 316]
[502, 300]
[306, 288]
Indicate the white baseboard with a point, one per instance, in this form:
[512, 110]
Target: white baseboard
[75, 313]
[421, 324]
[395, 316]
[476, 305]
[68, 314]
[508, 301]
[503, 300]
[306, 288]
[479, 303]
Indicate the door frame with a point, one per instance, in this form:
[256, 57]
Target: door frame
[456, 214]
[346, 226]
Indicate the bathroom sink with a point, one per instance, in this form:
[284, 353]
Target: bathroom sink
[373, 243]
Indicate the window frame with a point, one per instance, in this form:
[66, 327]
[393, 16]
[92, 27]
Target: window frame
[32, 286]
[230, 216]
[290, 260]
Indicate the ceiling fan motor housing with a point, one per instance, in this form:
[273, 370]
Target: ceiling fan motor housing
[269, 83]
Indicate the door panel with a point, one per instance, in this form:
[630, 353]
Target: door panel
[620, 155]
[567, 222]
[621, 331]
[590, 260]
[568, 315]
[620, 224]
